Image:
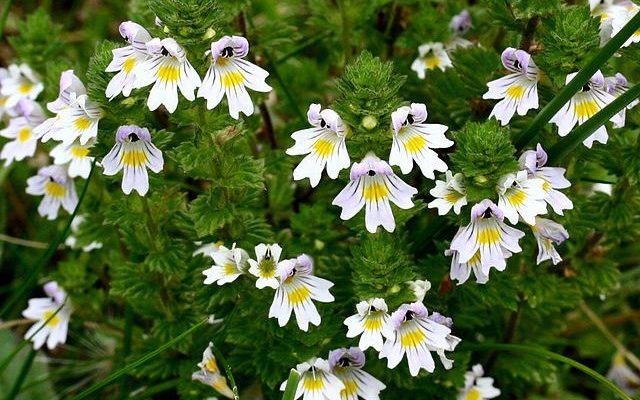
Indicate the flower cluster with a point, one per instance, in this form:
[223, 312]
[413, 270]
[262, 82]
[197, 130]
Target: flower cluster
[52, 315]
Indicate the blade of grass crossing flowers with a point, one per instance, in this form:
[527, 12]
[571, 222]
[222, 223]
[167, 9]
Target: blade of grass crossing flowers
[577, 82]
[32, 278]
[117, 374]
[292, 385]
[26, 367]
[540, 352]
[227, 370]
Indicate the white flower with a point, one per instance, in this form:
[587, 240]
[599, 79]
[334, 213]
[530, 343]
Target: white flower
[298, 287]
[54, 183]
[488, 234]
[373, 185]
[76, 155]
[460, 271]
[127, 59]
[620, 17]
[346, 365]
[228, 265]
[414, 140]
[20, 129]
[518, 194]
[430, 56]
[210, 375]
[324, 144]
[264, 266]
[609, 13]
[208, 249]
[52, 315]
[548, 233]
[414, 334]
[76, 115]
[449, 193]
[372, 322]
[419, 288]
[71, 239]
[617, 85]
[517, 91]
[476, 387]
[20, 83]
[133, 153]
[452, 341]
[316, 381]
[169, 70]
[623, 376]
[230, 74]
[592, 98]
[553, 178]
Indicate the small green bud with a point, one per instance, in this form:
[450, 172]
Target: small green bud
[319, 244]
[210, 33]
[480, 180]
[166, 29]
[369, 122]
[395, 289]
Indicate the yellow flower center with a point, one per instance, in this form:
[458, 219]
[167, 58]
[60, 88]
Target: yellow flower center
[298, 295]
[431, 61]
[350, 389]
[230, 269]
[375, 191]
[515, 92]
[312, 383]
[134, 158]
[415, 144]
[473, 394]
[82, 123]
[51, 317]
[24, 134]
[323, 147]
[231, 79]
[54, 189]
[24, 88]
[412, 338]
[79, 151]
[222, 61]
[373, 323]
[453, 196]
[516, 197]
[128, 65]
[585, 109]
[211, 365]
[168, 73]
[488, 236]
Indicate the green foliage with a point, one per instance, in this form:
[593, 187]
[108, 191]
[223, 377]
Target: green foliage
[39, 40]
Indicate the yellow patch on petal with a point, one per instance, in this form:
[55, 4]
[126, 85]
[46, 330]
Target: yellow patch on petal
[24, 88]
[313, 383]
[431, 62]
[475, 259]
[230, 269]
[211, 365]
[586, 109]
[412, 338]
[453, 196]
[79, 151]
[168, 73]
[24, 134]
[516, 197]
[222, 61]
[373, 324]
[415, 143]
[54, 189]
[546, 186]
[473, 394]
[488, 236]
[221, 386]
[231, 79]
[323, 147]
[134, 158]
[3, 100]
[350, 389]
[128, 65]
[82, 123]
[515, 92]
[51, 317]
[298, 295]
[375, 191]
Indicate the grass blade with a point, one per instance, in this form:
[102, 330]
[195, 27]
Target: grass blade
[227, 370]
[292, 385]
[26, 367]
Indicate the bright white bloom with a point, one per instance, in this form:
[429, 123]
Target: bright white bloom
[461, 23]
[210, 375]
[133, 153]
[71, 239]
[618, 85]
[52, 314]
[414, 334]
[419, 288]
[476, 387]
[520, 195]
[449, 194]
[77, 116]
[3, 99]
[20, 130]
[346, 365]
[622, 15]
[623, 376]
[553, 177]
[230, 74]
[430, 56]
[208, 249]
[127, 59]
[461, 271]
[298, 287]
[372, 322]
[413, 140]
[517, 91]
[316, 381]
[548, 234]
[228, 265]
[264, 266]
[592, 98]
[20, 83]
[76, 155]
[452, 341]
[609, 13]
[53, 182]
[488, 234]
[373, 185]
[169, 70]
[324, 144]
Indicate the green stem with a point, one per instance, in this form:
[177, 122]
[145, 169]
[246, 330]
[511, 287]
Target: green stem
[26, 367]
[540, 352]
[227, 370]
[3, 17]
[292, 385]
[152, 354]
[581, 132]
[33, 274]
[577, 82]
[301, 47]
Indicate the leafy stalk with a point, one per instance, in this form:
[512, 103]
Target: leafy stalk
[26, 367]
[577, 82]
[292, 385]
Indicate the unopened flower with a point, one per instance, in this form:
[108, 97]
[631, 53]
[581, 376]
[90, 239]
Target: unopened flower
[430, 56]
[133, 153]
[553, 178]
[373, 185]
[324, 144]
[371, 322]
[623, 376]
[208, 249]
[419, 288]
[71, 239]
[413, 140]
[346, 365]
[452, 341]
[517, 91]
[592, 98]
[53, 182]
[449, 194]
[477, 387]
[76, 155]
[20, 130]
[317, 382]
[617, 85]
[264, 266]
[461, 23]
[52, 314]
[127, 59]
[209, 373]
[20, 83]
[413, 334]
[488, 234]
[230, 74]
[228, 265]
[296, 292]
[76, 115]
[548, 233]
[168, 69]
[521, 195]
